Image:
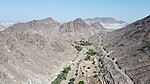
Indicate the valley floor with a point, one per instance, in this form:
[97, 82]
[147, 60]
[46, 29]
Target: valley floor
[100, 69]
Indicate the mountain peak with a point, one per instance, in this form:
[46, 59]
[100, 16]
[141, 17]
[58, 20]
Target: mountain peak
[79, 20]
[47, 19]
[35, 24]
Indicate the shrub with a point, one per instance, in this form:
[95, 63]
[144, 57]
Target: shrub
[72, 79]
[85, 43]
[71, 82]
[81, 82]
[66, 70]
[95, 76]
[88, 67]
[76, 74]
[78, 48]
[112, 58]
[93, 62]
[94, 72]
[88, 57]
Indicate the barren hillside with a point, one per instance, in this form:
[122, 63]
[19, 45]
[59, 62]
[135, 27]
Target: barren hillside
[130, 46]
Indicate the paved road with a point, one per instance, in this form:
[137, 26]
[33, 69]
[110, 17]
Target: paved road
[75, 66]
[114, 63]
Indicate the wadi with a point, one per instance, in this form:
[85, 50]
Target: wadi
[99, 50]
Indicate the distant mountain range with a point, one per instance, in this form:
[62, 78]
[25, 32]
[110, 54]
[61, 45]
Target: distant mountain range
[4, 25]
[7, 24]
[107, 22]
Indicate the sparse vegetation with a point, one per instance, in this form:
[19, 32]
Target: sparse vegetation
[72, 81]
[94, 72]
[93, 62]
[62, 76]
[83, 43]
[81, 82]
[91, 52]
[66, 70]
[88, 67]
[78, 48]
[112, 58]
[79, 44]
[95, 76]
[88, 57]
[76, 74]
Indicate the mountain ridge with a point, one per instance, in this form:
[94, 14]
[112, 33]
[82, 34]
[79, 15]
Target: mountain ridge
[130, 46]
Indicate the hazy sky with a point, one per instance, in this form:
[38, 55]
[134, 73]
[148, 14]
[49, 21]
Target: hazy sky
[66, 10]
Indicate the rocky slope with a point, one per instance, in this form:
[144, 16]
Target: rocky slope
[29, 54]
[130, 48]
[36, 52]
[107, 22]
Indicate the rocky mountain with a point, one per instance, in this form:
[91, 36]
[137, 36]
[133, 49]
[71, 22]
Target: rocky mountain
[36, 52]
[107, 22]
[130, 47]
[47, 52]
[76, 29]
[31, 53]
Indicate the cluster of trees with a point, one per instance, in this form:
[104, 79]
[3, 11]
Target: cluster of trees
[90, 53]
[79, 44]
[62, 76]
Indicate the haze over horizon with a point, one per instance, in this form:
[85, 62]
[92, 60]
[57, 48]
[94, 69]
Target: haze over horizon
[67, 10]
